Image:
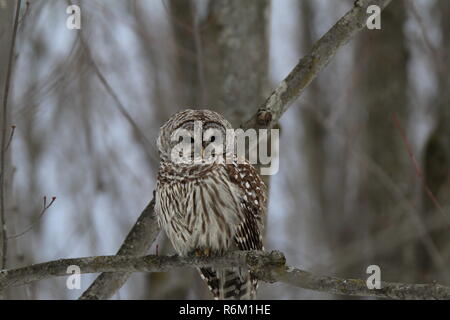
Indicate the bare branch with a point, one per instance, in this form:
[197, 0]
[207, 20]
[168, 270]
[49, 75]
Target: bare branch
[4, 114]
[120, 106]
[137, 243]
[310, 65]
[31, 226]
[358, 287]
[11, 136]
[268, 266]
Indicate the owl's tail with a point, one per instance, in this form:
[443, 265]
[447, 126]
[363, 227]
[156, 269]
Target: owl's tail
[230, 283]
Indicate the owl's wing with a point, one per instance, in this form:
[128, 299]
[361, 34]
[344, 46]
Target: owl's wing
[238, 283]
[249, 232]
[248, 236]
[253, 203]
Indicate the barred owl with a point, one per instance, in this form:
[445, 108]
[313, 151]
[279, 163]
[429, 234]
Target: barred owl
[210, 208]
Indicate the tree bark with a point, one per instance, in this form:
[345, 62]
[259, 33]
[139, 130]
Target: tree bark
[234, 56]
[267, 266]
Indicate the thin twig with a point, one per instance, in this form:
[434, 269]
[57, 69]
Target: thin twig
[120, 106]
[44, 209]
[417, 168]
[437, 56]
[11, 135]
[25, 13]
[3, 247]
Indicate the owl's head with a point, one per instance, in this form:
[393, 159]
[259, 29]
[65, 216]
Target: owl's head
[194, 133]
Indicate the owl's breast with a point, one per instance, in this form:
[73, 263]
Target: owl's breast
[199, 212]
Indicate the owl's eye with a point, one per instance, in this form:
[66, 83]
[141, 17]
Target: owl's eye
[180, 139]
[192, 140]
[213, 138]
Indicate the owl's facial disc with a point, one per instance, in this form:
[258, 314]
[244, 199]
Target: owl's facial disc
[195, 142]
[213, 132]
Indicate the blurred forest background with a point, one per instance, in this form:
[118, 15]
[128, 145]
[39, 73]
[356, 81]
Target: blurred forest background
[364, 157]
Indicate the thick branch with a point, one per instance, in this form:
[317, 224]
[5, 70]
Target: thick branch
[310, 65]
[357, 287]
[268, 266]
[137, 243]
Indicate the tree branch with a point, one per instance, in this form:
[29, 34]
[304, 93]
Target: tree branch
[137, 243]
[310, 65]
[288, 91]
[268, 266]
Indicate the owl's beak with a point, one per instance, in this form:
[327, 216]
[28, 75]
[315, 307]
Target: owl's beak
[202, 152]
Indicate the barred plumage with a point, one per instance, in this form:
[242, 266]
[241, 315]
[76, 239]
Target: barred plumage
[210, 208]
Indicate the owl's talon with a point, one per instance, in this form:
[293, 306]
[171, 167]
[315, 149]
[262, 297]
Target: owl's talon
[206, 252]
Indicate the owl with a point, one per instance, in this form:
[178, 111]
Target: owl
[210, 207]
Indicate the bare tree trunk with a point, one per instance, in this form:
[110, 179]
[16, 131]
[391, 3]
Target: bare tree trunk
[234, 55]
[385, 181]
[187, 79]
[314, 135]
[436, 158]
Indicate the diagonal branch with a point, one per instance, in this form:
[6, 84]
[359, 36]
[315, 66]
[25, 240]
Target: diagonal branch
[288, 91]
[268, 266]
[137, 243]
[310, 65]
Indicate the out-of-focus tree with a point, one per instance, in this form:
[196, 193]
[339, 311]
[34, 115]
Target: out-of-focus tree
[436, 159]
[234, 57]
[385, 188]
